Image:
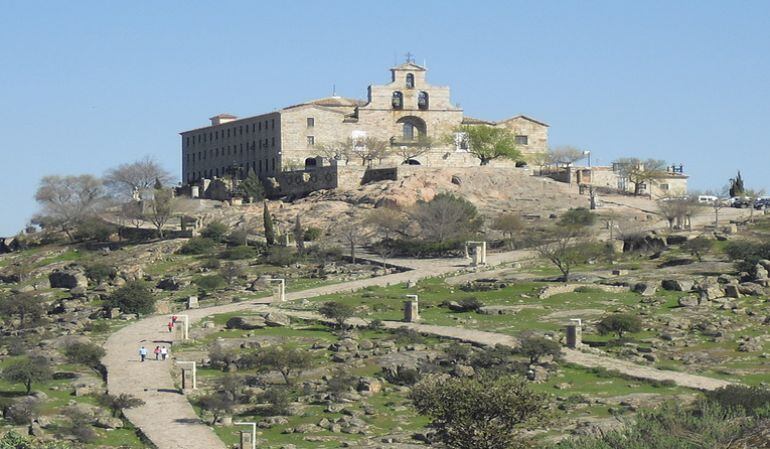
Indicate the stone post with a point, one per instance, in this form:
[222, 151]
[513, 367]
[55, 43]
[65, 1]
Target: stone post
[187, 380]
[246, 442]
[192, 302]
[575, 333]
[411, 309]
[195, 192]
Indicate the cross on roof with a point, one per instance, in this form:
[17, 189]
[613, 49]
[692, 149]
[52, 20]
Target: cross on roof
[409, 57]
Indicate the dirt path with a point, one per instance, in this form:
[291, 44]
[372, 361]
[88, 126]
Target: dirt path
[168, 419]
[570, 355]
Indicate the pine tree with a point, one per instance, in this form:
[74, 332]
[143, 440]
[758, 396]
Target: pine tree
[269, 228]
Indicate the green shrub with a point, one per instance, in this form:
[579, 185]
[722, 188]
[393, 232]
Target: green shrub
[280, 256]
[748, 399]
[216, 231]
[85, 353]
[94, 229]
[211, 263]
[210, 283]
[420, 248]
[198, 245]
[620, 323]
[279, 398]
[134, 297]
[312, 234]
[403, 376]
[406, 336]
[239, 253]
[578, 217]
[99, 272]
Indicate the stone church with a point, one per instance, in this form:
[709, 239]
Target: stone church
[401, 113]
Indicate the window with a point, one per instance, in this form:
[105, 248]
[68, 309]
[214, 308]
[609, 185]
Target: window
[422, 100]
[398, 100]
[664, 187]
[310, 122]
[272, 123]
[260, 126]
[272, 144]
[187, 141]
[409, 80]
[311, 140]
[522, 140]
[240, 130]
[408, 131]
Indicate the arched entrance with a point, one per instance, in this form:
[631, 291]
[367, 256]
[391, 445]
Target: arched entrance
[412, 128]
[311, 162]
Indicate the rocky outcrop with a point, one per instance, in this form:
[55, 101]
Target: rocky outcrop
[68, 278]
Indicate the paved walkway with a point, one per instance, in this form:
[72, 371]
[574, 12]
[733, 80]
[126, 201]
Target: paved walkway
[170, 422]
[167, 418]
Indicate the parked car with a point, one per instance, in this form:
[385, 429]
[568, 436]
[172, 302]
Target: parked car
[762, 202]
[741, 202]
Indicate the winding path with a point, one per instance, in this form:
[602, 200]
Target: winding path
[168, 419]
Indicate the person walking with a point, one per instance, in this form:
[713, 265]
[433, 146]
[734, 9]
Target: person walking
[157, 353]
[164, 352]
[142, 353]
[170, 326]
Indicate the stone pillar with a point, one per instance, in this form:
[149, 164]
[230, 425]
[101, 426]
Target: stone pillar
[192, 302]
[484, 253]
[246, 442]
[575, 333]
[187, 380]
[195, 192]
[411, 311]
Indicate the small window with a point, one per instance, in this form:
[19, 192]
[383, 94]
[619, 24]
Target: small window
[398, 100]
[422, 100]
[310, 122]
[311, 140]
[522, 140]
[409, 80]
[272, 143]
[664, 187]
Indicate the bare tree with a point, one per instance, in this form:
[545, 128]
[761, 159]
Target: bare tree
[353, 233]
[421, 146]
[162, 207]
[678, 211]
[566, 247]
[386, 222]
[565, 155]
[68, 200]
[638, 171]
[447, 218]
[342, 150]
[509, 224]
[140, 176]
[371, 149]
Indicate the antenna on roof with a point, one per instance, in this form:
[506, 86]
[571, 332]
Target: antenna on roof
[334, 90]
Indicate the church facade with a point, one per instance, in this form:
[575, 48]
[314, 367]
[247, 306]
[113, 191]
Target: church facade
[405, 112]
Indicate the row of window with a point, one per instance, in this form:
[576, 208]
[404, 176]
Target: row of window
[230, 132]
[231, 151]
[255, 166]
[397, 100]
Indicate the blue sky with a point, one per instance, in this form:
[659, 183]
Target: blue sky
[87, 85]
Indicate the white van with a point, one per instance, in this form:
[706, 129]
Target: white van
[707, 199]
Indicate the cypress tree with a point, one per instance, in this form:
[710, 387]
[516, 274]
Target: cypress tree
[269, 228]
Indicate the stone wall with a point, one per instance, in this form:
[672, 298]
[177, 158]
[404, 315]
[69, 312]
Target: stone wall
[298, 183]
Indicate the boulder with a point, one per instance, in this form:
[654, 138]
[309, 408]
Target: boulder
[710, 291]
[751, 289]
[761, 272]
[170, 283]
[499, 310]
[246, 322]
[457, 180]
[677, 285]
[750, 344]
[275, 319]
[67, 279]
[645, 289]
[688, 301]
[732, 291]
[369, 386]
[108, 422]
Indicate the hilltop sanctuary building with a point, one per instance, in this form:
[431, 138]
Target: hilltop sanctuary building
[401, 113]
